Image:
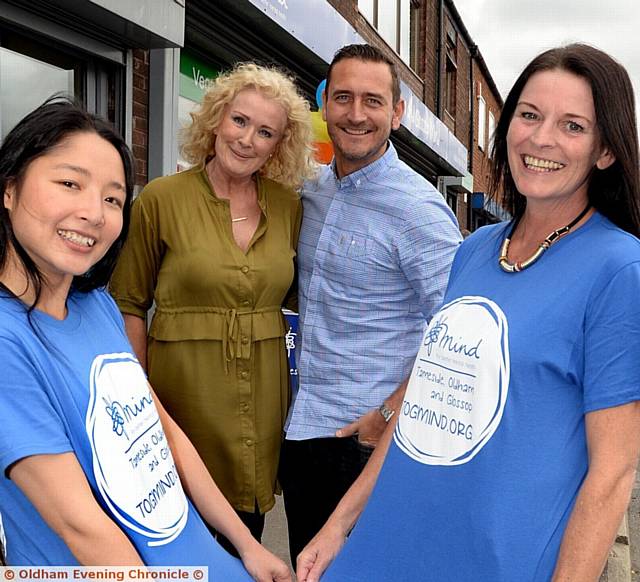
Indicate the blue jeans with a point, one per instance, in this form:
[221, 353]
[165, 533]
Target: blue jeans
[314, 475]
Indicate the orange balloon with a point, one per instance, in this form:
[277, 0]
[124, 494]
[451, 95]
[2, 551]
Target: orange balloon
[324, 152]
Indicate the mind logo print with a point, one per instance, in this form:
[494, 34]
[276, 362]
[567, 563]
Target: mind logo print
[433, 334]
[459, 384]
[132, 463]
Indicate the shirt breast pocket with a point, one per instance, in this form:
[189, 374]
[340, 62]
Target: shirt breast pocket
[351, 245]
[352, 260]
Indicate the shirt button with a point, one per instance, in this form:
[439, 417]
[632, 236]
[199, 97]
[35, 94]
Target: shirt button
[245, 269]
[244, 407]
[357, 182]
[245, 340]
[244, 375]
[249, 442]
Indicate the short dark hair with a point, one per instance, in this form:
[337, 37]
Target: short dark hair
[367, 53]
[35, 135]
[614, 191]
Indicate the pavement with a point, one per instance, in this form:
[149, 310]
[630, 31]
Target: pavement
[634, 530]
[275, 536]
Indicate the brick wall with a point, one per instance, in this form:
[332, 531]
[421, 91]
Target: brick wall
[463, 116]
[140, 137]
[429, 53]
[481, 160]
[348, 9]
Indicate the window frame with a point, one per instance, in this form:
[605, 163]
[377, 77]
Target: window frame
[491, 130]
[99, 82]
[407, 27]
[482, 123]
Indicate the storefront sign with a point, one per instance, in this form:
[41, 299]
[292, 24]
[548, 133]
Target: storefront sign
[195, 77]
[313, 22]
[428, 128]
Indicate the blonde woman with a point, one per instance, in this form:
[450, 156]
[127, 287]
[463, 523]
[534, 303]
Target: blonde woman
[214, 246]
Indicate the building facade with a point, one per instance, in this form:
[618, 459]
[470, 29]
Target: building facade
[437, 58]
[96, 51]
[145, 65]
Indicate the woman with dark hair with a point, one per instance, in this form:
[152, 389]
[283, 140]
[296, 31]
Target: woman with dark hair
[514, 452]
[93, 468]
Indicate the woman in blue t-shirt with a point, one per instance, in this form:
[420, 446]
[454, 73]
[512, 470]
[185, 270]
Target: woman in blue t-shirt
[514, 451]
[94, 471]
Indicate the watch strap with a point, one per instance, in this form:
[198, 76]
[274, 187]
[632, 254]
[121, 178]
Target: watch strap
[386, 412]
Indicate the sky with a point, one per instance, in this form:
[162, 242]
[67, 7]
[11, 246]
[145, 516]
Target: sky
[510, 33]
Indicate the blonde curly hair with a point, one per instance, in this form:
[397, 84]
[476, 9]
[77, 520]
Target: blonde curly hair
[292, 161]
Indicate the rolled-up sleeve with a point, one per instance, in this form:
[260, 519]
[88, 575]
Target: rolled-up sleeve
[136, 274]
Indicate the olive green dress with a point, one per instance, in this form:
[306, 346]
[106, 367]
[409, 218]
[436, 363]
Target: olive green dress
[216, 354]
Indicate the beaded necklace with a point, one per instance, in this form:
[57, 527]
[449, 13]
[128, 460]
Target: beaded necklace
[556, 235]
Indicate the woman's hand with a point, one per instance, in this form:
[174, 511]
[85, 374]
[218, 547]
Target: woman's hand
[263, 565]
[319, 553]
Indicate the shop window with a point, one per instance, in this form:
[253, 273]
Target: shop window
[452, 201]
[32, 71]
[25, 83]
[397, 23]
[482, 122]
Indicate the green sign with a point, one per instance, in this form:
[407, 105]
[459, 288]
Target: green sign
[195, 77]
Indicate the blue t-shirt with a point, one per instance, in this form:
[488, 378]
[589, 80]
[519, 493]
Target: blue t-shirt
[74, 386]
[490, 449]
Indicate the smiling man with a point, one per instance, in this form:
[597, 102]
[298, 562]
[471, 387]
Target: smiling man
[374, 255]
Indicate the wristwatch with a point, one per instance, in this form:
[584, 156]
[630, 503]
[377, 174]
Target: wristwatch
[386, 412]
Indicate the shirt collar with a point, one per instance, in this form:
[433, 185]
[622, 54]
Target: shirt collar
[369, 172]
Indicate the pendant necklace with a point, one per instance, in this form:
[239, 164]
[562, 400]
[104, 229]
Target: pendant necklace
[556, 235]
[207, 170]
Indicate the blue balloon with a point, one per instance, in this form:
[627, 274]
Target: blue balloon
[319, 92]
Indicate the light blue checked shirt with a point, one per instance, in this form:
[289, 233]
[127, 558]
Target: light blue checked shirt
[374, 256]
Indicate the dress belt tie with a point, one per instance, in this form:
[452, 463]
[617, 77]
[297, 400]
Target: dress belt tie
[230, 320]
[230, 345]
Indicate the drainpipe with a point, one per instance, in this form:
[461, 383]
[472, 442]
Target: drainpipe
[439, 59]
[473, 52]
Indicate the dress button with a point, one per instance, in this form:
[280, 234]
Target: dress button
[246, 302]
[244, 407]
[244, 375]
[249, 442]
[245, 269]
[245, 340]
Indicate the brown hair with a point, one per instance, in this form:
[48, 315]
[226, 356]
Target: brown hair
[614, 191]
